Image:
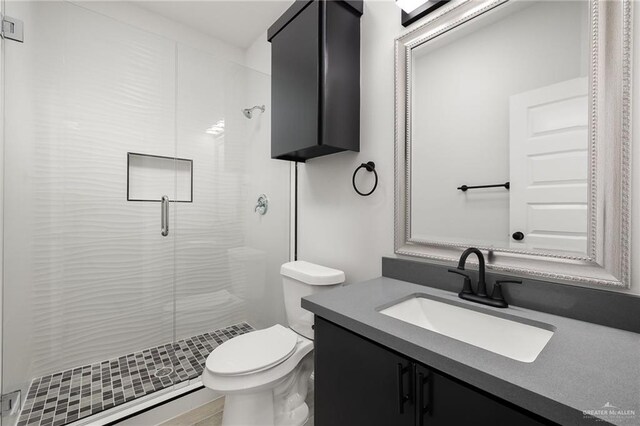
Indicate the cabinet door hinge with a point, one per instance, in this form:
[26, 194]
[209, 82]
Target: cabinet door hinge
[12, 29]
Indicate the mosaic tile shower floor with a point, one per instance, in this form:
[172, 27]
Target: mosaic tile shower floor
[70, 395]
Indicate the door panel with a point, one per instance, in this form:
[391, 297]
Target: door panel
[549, 167]
[447, 402]
[358, 382]
[295, 64]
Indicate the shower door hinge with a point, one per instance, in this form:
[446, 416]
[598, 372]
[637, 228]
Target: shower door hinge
[11, 403]
[12, 29]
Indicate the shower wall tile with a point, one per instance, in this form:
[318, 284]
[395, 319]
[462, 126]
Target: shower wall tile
[87, 274]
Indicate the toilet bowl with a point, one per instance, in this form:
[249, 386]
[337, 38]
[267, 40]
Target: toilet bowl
[264, 374]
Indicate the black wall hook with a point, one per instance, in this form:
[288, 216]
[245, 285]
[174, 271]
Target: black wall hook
[370, 167]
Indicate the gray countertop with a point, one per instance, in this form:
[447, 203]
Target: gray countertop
[583, 367]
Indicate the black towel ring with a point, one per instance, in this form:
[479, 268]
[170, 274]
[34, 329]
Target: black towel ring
[370, 167]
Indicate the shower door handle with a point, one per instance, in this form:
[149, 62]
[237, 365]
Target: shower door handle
[164, 216]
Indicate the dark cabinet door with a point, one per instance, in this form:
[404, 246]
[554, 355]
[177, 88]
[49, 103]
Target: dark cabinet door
[441, 400]
[295, 68]
[359, 383]
[315, 79]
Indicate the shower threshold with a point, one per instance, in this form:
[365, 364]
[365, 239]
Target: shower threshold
[76, 393]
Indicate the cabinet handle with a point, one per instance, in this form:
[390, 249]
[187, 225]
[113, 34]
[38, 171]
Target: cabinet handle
[424, 398]
[402, 397]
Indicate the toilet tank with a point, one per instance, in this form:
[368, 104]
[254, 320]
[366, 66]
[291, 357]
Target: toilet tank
[300, 279]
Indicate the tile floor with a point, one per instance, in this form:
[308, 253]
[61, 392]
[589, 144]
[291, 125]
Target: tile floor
[67, 396]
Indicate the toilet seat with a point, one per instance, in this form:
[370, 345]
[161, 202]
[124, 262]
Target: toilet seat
[260, 379]
[253, 352]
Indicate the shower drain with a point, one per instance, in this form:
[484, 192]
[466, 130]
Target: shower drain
[162, 372]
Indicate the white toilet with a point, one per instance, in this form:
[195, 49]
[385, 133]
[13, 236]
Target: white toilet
[264, 374]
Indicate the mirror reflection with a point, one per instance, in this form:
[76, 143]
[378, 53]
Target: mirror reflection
[503, 100]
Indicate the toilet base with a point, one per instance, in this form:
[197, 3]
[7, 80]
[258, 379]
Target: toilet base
[282, 405]
[255, 409]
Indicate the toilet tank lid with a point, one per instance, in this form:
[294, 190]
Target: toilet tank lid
[310, 273]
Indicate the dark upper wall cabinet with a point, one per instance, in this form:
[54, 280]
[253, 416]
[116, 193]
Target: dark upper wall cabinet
[315, 79]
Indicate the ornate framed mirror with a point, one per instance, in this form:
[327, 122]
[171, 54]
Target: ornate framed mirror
[513, 135]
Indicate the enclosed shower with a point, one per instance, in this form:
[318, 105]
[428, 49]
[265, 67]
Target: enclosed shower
[131, 242]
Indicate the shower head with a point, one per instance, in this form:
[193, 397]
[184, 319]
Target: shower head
[248, 112]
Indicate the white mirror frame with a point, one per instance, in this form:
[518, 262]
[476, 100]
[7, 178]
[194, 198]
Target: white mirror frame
[607, 262]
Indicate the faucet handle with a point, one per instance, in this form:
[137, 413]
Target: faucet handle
[466, 287]
[497, 288]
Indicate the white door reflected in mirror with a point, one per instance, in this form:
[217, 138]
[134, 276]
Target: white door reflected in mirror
[548, 162]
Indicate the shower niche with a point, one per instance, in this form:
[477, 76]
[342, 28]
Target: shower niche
[150, 177]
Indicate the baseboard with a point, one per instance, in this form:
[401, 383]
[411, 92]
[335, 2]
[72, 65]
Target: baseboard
[196, 415]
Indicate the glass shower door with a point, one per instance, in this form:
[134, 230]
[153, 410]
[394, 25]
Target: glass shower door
[89, 280]
[110, 295]
[228, 254]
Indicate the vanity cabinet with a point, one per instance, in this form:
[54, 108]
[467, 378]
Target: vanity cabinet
[358, 382]
[315, 79]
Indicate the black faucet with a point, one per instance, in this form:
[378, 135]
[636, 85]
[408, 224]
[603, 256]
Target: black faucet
[480, 296]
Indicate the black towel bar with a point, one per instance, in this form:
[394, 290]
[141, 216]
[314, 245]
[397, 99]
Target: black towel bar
[464, 188]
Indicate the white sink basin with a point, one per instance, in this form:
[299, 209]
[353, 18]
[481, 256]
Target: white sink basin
[512, 339]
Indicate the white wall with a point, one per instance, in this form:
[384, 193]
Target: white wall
[336, 226]
[258, 55]
[129, 13]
